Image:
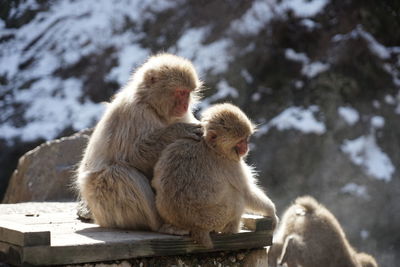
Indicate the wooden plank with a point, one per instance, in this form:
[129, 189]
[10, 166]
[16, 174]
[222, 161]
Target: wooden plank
[170, 245]
[25, 240]
[256, 222]
[22, 235]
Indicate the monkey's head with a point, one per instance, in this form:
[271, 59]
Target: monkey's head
[227, 130]
[169, 84]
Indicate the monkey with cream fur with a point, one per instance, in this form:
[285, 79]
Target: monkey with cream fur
[310, 236]
[151, 111]
[204, 186]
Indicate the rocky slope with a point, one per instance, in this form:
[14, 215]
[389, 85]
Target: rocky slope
[320, 77]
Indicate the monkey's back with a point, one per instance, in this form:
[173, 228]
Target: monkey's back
[321, 233]
[191, 187]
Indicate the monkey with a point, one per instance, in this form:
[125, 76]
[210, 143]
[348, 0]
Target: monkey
[309, 235]
[205, 186]
[151, 111]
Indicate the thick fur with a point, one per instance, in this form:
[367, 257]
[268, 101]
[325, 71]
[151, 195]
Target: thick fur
[310, 236]
[113, 176]
[204, 186]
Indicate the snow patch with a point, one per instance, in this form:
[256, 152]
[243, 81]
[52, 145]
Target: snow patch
[309, 69]
[377, 122]
[304, 8]
[390, 100]
[213, 57]
[364, 234]
[224, 90]
[297, 118]
[59, 37]
[255, 18]
[375, 47]
[313, 69]
[350, 115]
[262, 12]
[309, 24]
[247, 76]
[360, 191]
[256, 96]
[365, 152]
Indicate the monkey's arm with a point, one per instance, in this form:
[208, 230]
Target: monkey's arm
[257, 201]
[148, 149]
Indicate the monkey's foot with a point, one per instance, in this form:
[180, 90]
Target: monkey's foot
[172, 230]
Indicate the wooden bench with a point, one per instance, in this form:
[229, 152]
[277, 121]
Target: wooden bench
[50, 234]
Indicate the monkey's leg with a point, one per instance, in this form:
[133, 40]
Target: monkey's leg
[122, 197]
[172, 230]
[274, 252]
[232, 227]
[202, 237]
[291, 251]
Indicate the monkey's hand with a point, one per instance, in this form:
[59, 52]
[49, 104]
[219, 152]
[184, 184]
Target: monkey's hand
[186, 130]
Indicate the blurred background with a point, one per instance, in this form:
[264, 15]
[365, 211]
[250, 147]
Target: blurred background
[321, 78]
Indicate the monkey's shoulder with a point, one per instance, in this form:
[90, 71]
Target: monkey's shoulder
[184, 148]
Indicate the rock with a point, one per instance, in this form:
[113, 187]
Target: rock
[45, 173]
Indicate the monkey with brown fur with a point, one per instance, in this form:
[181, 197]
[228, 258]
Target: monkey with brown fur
[151, 111]
[310, 236]
[204, 186]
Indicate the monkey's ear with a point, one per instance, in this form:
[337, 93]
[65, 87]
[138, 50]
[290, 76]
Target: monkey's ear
[211, 136]
[150, 77]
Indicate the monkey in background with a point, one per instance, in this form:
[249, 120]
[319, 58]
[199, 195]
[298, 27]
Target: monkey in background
[204, 186]
[310, 236]
[151, 111]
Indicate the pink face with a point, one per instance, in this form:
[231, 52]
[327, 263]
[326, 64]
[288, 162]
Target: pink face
[242, 147]
[182, 99]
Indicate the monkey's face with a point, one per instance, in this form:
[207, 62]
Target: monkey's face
[242, 147]
[181, 100]
[170, 90]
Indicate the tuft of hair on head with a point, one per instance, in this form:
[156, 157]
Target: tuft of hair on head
[308, 203]
[227, 118]
[168, 69]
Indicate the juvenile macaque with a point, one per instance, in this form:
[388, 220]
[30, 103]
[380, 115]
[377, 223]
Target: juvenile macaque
[204, 186]
[310, 236]
[151, 111]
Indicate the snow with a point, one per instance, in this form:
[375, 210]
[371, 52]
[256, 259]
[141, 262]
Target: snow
[247, 76]
[390, 100]
[376, 104]
[313, 69]
[213, 57]
[309, 69]
[375, 47]
[349, 114]
[309, 24]
[295, 56]
[360, 191]
[364, 234]
[304, 8]
[377, 122]
[298, 84]
[224, 90]
[262, 12]
[254, 19]
[128, 55]
[296, 118]
[67, 32]
[365, 152]
[256, 96]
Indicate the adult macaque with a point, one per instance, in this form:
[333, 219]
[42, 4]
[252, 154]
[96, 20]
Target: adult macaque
[151, 111]
[204, 186]
[310, 236]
